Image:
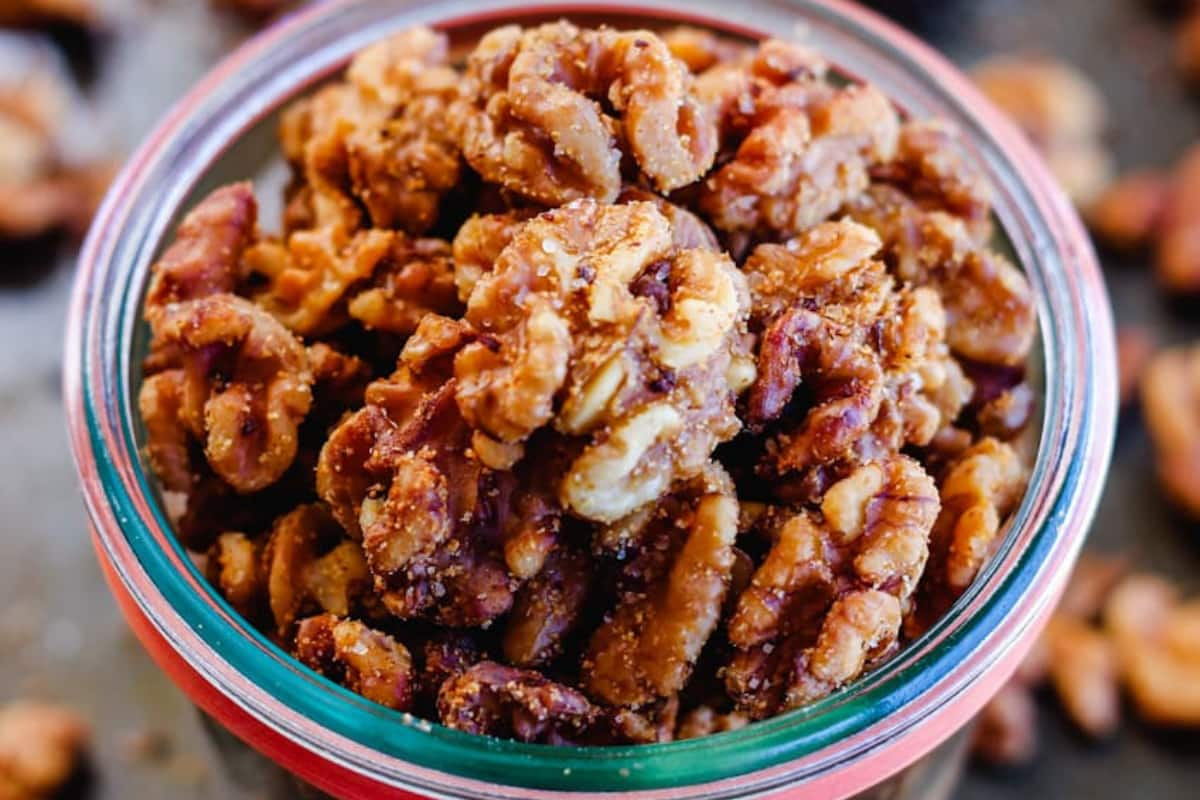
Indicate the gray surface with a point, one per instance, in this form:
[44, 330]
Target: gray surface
[62, 638]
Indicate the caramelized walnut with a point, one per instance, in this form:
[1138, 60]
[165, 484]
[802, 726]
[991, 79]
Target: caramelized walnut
[363, 660]
[645, 650]
[416, 279]
[705, 721]
[496, 700]
[547, 607]
[244, 388]
[1128, 214]
[1006, 730]
[479, 243]
[1169, 390]
[597, 301]
[827, 600]
[1177, 255]
[538, 126]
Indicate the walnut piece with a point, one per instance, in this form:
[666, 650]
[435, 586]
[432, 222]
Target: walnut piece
[364, 660]
[1169, 389]
[40, 748]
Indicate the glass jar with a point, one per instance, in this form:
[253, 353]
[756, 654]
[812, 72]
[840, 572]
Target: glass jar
[865, 738]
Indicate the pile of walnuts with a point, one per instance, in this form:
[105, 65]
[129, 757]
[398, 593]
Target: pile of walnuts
[601, 387]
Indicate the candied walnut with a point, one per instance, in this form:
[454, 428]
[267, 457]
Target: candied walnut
[1135, 348]
[416, 279]
[539, 127]
[209, 243]
[494, 700]
[1157, 639]
[1177, 255]
[595, 303]
[1092, 581]
[981, 488]
[445, 655]
[1169, 390]
[547, 607]
[27, 12]
[296, 576]
[827, 600]
[646, 649]
[1006, 730]
[800, 165]
[168, 444]
[1061, 111]
[40, 748]
[705, 721]
[1006, 415]
[700, 49]
[1187, 47]
[234, 567]
[871, 357]
[990, 312]
[246, 386]
[479, 243]
[363, 660]
[1083, 670]
[1128, 214]
[931, 168]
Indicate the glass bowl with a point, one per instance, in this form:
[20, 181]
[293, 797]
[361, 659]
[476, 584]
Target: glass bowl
[845, 744]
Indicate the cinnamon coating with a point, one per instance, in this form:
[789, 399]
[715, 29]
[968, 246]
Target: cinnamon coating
[364, 660]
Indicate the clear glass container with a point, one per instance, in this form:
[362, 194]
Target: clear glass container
[865, 738]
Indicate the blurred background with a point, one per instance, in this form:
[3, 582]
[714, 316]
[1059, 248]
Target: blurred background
[1106, 88]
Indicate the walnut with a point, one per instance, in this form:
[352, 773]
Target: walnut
[496, 700]
[444, 655]
[298, 577]
[1177, 252]
[1169, 389]
[980, 490]
[1006, 730]
[827, 600]
[1187, 46]
[1061, 111]
[990, 314]
[416, 279]
[479, 243]
[244, 390]
[40, 748]
[800, 165]
[705, 721]
[700, 49]
[1127, 215]
[1158, 649]
[234, 567]
[646, 649]
[642, 336]
[538, 126]
[548, 607]
[37, 12]
[1083, 670]
[871, 356]
[364, 660]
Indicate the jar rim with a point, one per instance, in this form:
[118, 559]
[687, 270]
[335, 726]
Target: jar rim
[837, 746]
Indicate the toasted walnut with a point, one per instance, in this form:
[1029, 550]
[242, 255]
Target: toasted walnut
[496, 700]
[827, 600]
[1006, 730]
[416, 279]
[168, 444]
[872, 357]
[363, 660]
[547, 608]
[1177, 255]
[1061, 111]
[234, 567]
[204, 258]
[297, 577]
[596, 300]
[1169, 390]
[540, 130]
[444, 655]
[245, 387]
[705, 721]
[646, 649]
[1008, 413]
[990, 314]
[800, 165]
[1129, 212]
[479, 243]
[40, 749]
[980, 490]
[700, 49]
[1158, 647]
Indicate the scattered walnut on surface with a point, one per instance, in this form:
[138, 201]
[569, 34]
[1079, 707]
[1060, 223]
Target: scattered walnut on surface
[1006, 730]
[1170, 387]
[1128, 214]
[1060, 110]
[1177, 251]
[1187, 47]
[40, 749]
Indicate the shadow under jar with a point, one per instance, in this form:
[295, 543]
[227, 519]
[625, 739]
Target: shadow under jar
[877, 737]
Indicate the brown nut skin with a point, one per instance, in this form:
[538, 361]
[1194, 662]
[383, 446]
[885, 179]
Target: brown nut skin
[363, 660]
